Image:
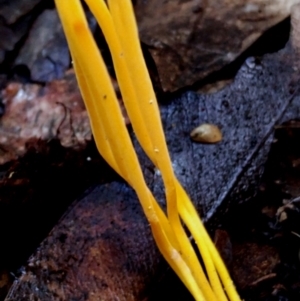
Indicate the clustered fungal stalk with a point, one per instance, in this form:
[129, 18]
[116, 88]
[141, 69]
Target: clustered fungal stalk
[116, 19]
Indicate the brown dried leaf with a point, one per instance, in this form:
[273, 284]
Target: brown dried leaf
[190, 39]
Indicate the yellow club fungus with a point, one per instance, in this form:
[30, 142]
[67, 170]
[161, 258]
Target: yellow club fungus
[116, 19]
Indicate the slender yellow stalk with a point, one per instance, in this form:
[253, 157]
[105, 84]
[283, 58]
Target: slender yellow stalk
[101, 102]
[118, 25]
[131, 103]
[137, 103]
[107, 107]
[190, 217]
[127, 33]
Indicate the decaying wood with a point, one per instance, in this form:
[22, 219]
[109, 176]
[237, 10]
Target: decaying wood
[190, 39]
[33, 111]
[102, 248]
[55, 110]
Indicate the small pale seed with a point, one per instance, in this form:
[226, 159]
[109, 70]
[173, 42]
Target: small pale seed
[206, 133]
